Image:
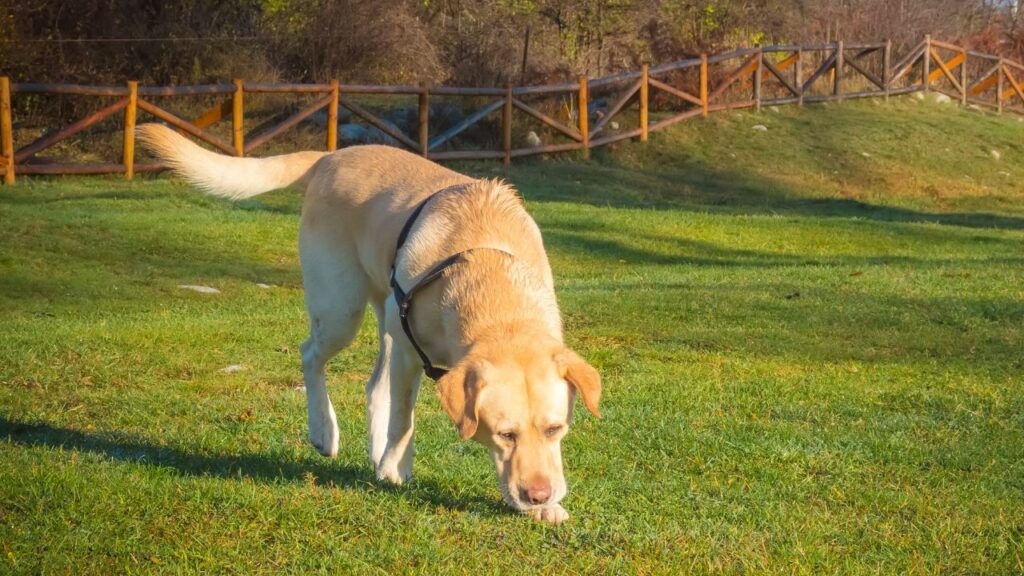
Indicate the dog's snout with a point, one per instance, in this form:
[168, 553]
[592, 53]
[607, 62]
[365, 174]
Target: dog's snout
[536, 493]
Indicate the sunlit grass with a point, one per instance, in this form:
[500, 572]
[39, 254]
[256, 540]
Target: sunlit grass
[812, 363]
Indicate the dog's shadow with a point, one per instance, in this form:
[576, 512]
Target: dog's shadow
[257, 467]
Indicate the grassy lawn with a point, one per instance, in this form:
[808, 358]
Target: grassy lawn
[812, 343]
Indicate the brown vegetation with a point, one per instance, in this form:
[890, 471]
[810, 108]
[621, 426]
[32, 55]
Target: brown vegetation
[474, 43]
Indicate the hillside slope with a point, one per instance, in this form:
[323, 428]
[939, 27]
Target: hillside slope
[868, 157]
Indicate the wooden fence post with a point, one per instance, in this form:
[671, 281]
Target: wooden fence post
[332, 118]
[5, 128]
[999, 87]
[798, 74]
[424, 117]
[963, 78]
[757, 79]
[584, 118]
[644, 94]
[837, 86]
[506, 126]
[927, 62]
[237, 116]
[704, 83]
[128, 148]
[887, 68]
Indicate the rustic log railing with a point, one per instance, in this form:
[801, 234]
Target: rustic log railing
[744, 78]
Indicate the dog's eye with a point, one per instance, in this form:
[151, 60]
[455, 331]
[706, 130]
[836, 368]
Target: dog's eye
[507, 436]
[552, 430]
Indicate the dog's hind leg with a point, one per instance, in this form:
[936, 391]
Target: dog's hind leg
[391, 397]
[336, 295]
[378, 389]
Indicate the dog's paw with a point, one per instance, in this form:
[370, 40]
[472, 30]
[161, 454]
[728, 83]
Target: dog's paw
[323, 433]
[393, 473]
[551, 514]
[394, 468]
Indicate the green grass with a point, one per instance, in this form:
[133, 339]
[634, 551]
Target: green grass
[812, 363]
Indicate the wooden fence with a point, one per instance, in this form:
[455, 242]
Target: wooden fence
[746, 78]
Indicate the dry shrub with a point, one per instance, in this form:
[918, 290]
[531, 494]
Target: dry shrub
[380, 42]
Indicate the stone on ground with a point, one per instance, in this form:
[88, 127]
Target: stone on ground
[200, 289]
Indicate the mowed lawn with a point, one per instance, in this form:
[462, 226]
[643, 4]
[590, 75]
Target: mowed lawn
[811, 338]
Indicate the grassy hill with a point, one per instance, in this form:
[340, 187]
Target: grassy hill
[811, 341]
[862, 158]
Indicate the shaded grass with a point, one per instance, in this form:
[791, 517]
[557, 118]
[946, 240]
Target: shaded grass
[806, 370]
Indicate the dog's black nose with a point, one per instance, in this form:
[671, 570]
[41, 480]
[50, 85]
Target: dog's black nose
[537, 493]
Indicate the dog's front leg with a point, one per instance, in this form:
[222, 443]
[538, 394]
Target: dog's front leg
[391, 396]
[396, 463]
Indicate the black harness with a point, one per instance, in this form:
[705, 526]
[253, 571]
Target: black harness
[404, 298]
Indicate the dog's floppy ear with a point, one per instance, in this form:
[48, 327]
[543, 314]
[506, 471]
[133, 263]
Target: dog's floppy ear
[582, 376]
[459, 390]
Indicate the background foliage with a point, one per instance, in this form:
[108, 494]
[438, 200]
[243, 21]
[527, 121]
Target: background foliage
[452, 41]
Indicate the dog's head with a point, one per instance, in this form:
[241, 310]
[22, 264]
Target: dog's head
[519, 403]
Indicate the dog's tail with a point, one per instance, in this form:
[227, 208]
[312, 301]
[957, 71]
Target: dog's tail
[225, 176]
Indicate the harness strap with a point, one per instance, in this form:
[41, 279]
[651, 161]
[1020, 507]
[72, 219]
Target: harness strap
[407, 227]
[404, 298]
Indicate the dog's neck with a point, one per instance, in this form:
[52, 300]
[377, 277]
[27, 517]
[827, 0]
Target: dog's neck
[494, 298]
[504, 293]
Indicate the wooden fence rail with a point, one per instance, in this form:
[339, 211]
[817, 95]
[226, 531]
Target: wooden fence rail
[744, 78]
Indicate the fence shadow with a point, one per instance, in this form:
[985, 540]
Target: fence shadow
[264, 468]
[700, 187]
[595, 243]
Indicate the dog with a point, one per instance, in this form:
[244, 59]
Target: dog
[385, 226]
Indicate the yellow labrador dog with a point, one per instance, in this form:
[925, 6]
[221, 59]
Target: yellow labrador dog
[456, 272]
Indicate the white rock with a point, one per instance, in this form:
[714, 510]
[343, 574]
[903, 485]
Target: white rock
[919, 95]
[200, 289]
[231, 369]
[1004, 173]
[262, 285]
[533, 140]
[941, 98]
[974, 107]
[865, 154]
[761, 128]
[996, 154]
[613, 125]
